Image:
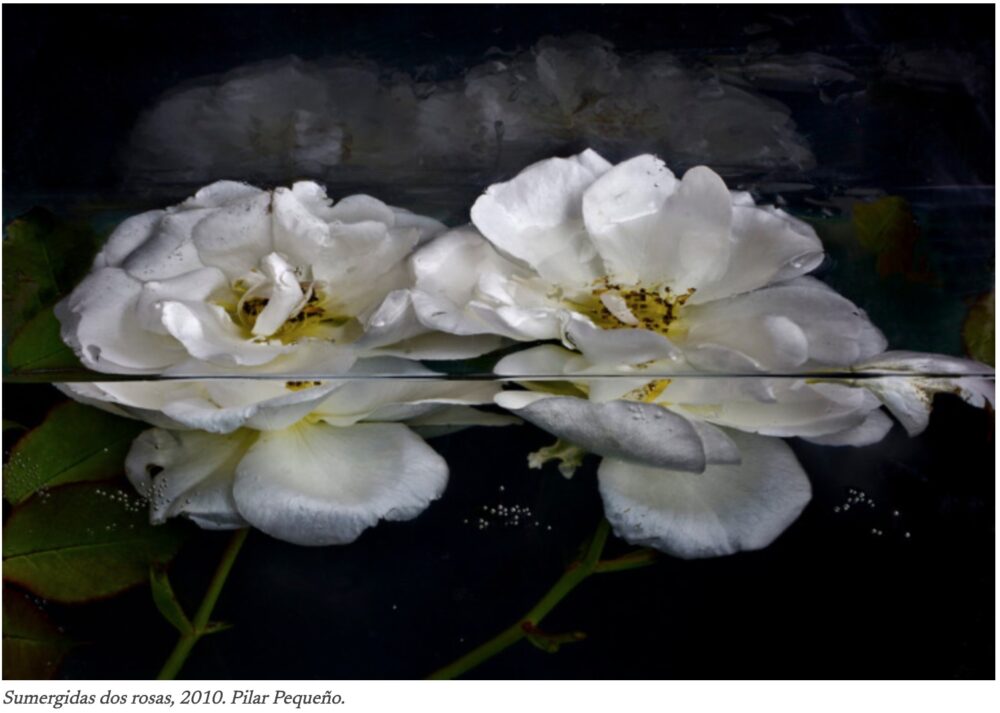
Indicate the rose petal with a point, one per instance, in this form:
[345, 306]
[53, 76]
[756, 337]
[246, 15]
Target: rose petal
[838, 332]
[98, 320]
[188, 473]
[320, 485]
[651, 229]
[726, 509]
[537, 217]
[235, 236]
[638, 432]
[768, 245]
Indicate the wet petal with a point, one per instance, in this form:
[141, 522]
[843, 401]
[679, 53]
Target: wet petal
[872, 430]
[638, 432]
[235, 236]
[321, 485]
[725, 509]
[188, 473]
[910, 398]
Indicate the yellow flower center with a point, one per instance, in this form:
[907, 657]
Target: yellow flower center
[315, 318]
[655, 308]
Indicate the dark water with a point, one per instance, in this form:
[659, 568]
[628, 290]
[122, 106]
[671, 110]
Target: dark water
[901, 588]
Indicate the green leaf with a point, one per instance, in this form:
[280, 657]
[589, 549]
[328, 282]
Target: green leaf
[33, 647]
[38, 345]
[43, 258]
[84, 541]
[978, 331]
[887, 228]
[75, 443]
[166, 601]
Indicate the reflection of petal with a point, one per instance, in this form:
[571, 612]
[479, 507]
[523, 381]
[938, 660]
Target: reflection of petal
[320, 485]
[726, 509]
[188, 473]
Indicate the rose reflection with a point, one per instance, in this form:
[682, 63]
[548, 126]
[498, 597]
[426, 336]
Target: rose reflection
[352, 119]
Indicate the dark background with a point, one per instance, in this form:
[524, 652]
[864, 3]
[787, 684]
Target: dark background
[829, 599]
[76, 78]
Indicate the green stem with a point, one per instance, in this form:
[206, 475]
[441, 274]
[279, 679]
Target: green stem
[526, 625]
[200, 624]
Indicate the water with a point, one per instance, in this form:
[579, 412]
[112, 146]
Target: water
[887, 573]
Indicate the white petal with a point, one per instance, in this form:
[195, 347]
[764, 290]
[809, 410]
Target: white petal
[352, 209]
[769, 342]
[99, 321]
[790, 408]
[195, 285]
[649, 228]
[427, 228]
[447, 271]
[838, 332]
[236, 236]
[226, 405]
[169, 251]
[726, 509]
[437, 346]
[910, 398]
[398, 398]
[188, 473]
[616, 347]
[285, 296]
[345, 253]
[537, 217]
[768, 245]
[638, 432]
[394, 320]
[544, 360]
[129, 235]
[321, 485]
[221, 193]
[207, 332]
[872, 430]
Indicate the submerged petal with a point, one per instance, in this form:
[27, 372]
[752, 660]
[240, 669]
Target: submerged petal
[629, 430]
[725, 509]
[188, 473]
[918, 377]
[321, 485]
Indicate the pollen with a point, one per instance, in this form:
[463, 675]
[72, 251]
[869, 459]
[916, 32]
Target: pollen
[314, 318]
[655, 308]
[299, 385]
[650, 392]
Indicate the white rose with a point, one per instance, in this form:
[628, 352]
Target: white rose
[695, 466]
[238, 278]
[310, 462]
[628, 264]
